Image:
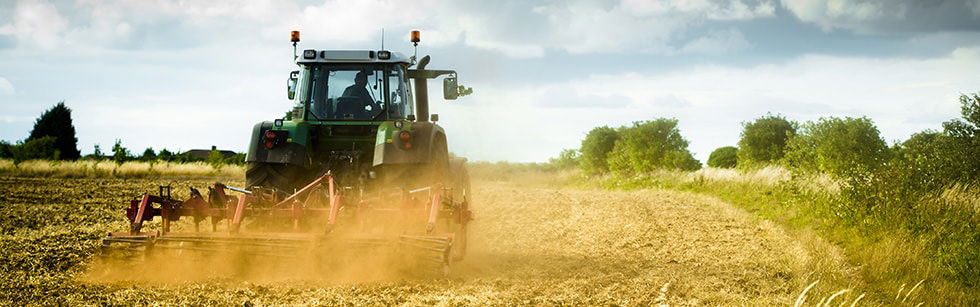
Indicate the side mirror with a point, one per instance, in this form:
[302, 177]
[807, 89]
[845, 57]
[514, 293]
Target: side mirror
[450, 90]
[291, 84]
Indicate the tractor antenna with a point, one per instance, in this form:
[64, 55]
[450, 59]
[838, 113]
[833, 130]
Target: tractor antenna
[382, 38]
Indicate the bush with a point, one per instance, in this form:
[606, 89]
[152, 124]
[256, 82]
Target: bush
[764, 139]
[166, 155]
[969, 127]
[148, 155]
[216, 159]
[237, 159]
[5, 152]
[924, 189]
[96, 154]
[933, 160]
[724, 157]
[838, 147]
[916, 191]
[568, 158]
[36, 149]
[119, 153]
[651, 145]
[964, 139]
[595, 150]
[56, 122]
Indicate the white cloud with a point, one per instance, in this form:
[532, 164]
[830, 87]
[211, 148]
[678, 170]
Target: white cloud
[520, 29]
[836, 13]
[359, 21]
[516, 29]
[974, 7]
[870, 16]
[36, 23]
[630, 26]
[6, 88]
[717, 42]
[738, 10]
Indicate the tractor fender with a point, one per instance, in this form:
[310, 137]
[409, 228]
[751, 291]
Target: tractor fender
[285, 150]
[394, 152]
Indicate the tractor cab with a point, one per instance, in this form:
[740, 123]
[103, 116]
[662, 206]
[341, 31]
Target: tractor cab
[355, 114]
[350, 85]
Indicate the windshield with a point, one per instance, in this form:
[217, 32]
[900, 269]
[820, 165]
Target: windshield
[353, 92]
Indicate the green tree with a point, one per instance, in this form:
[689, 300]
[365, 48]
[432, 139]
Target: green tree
[165, 155]
[5, 152]
[929, 160]
[119, 153]
[724, 157]
[967, 129]
[568, 158]
[148, 155]
[837, 146]
[97, 152]
[764, 139]
[595, 150]
[965, 134]
[651, 145]
[215, 158]
[237, 159]
[56, 122]
[39, 148]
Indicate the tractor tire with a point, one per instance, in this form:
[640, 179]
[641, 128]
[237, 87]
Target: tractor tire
[437, 170]
[281, 176]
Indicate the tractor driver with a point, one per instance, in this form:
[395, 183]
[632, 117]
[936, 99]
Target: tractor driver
[359, 90]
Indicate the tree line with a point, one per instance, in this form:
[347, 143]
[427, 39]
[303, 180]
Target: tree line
[53, 138]
[641, 147]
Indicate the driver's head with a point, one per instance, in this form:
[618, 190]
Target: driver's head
[361, 78]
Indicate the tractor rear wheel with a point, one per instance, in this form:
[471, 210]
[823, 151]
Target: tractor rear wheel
[281, 176]
[461, 196]
[438, 166]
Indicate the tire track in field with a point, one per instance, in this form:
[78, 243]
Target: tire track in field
[639, 247]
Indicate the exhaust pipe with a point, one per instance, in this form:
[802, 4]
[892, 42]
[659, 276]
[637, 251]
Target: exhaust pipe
[422, 93]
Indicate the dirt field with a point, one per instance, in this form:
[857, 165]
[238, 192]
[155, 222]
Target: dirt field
[529, 245]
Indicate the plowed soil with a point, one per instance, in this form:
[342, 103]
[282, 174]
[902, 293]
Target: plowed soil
[529, 245]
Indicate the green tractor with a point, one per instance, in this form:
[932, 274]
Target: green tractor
[354, 117]
[357, 163]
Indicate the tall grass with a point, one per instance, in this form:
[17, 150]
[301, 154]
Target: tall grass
[109, 169]
[522, 173]
[769, 175]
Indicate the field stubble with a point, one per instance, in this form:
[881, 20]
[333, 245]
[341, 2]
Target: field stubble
[530, 245]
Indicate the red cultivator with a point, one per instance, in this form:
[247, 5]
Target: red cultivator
[421, 223]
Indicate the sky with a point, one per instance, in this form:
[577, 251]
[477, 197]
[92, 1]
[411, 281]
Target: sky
[191, 74]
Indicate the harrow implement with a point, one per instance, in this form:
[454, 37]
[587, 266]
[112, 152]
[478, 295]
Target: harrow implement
[420, 226]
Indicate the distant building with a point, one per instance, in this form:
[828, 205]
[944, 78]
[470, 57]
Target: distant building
[204, 153]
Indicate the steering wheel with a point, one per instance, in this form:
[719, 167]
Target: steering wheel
[353, 105]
